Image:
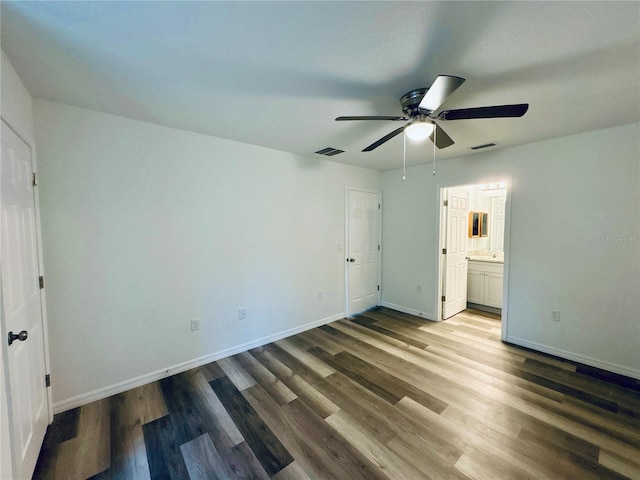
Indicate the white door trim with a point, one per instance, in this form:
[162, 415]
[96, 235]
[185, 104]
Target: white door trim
[507, 243]
[346, 245]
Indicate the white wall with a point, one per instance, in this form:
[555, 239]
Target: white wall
[574, 242]
[16, 108]
[146, 227]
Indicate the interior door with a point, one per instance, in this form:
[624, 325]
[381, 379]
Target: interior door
[21, 306]
[455, 260]
[363, 250]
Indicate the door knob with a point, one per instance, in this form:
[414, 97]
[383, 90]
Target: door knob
[352, 260]
[22, 336]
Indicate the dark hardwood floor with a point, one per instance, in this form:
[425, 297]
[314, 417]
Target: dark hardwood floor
[381, 396]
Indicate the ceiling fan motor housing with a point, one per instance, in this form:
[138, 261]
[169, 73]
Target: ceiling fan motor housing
[411, 100]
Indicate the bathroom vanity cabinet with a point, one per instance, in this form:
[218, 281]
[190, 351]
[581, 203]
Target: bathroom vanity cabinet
[484, 283]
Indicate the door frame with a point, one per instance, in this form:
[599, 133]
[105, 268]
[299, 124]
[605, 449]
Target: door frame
[345, 249]
[440, 193]
[4, 375]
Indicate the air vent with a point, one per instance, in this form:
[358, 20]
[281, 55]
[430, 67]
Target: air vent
[486, 145]
[329, 151]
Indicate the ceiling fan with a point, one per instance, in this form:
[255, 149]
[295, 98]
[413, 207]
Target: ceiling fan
[420, 105]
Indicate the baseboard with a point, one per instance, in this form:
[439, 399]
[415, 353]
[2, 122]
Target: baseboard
[117, 388]
[484, 308]
[410, 311]
[576, 357]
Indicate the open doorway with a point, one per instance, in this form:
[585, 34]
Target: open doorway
[473, 249]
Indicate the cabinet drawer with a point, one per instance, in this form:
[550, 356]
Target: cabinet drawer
[487, 267]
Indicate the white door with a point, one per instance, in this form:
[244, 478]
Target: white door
[497, 223]
[363, 250]
[21, 306]
[455, 260]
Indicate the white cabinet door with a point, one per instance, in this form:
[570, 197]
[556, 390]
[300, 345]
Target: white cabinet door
[475, 286]
[21, 306]
[493, 289]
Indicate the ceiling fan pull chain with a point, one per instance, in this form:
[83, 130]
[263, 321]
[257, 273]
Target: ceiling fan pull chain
[435, 139]
[404, 158]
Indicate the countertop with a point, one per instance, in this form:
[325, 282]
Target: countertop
[489, 259]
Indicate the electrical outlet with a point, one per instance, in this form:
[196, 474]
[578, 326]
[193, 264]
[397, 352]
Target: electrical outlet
[320, 295]
[242, 314]
[555, 315]
[195, 324]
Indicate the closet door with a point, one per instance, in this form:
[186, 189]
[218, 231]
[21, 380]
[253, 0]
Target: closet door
[22, 322]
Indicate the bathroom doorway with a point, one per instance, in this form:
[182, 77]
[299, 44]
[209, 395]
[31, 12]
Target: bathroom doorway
[473, 249]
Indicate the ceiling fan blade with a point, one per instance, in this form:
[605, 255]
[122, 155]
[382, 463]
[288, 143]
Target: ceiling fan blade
[497, 111]
[386, 138]
[442, 139]
[444, 86]
[379, 117]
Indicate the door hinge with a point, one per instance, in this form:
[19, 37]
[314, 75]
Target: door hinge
[378, 287]
[47, 380]
[444, 299]
[41, 280]
[445, 203]
[379, 206]
[378, 247]
[444, 251]
[34, 179]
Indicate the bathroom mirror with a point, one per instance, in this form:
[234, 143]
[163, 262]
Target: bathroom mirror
[484, 224]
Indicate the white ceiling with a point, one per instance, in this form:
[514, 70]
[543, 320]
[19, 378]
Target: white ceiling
[276, 74]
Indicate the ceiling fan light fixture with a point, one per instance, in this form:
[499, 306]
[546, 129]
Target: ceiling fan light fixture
[418, 131]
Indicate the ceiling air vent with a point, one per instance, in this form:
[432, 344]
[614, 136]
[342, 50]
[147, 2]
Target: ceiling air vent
[480, 147]
[329, 151]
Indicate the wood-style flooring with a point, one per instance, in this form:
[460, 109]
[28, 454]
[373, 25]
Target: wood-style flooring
[381, 396]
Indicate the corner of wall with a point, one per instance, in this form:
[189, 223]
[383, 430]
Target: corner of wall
[16, 103]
